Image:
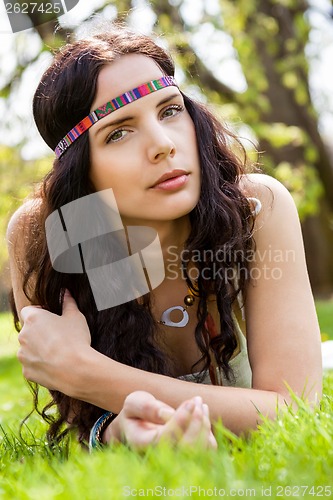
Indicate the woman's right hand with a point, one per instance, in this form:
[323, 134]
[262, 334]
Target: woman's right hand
[145, 421]
[49, 344]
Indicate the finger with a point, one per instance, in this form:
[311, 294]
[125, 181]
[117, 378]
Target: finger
[21, 337]
[165, 413]
[175, 428]
[197, 428]
[27, 311]
[207, 421]
[139, 437]
[20, 355]
[212, 443]
[69, 304]
[144, 406]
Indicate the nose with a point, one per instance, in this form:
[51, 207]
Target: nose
[159, 144]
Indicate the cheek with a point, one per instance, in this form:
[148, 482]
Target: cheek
[98, 178]
[113, 174]
[103, 169]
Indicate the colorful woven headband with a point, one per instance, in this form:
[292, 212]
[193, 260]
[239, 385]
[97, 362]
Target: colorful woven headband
[110, 107]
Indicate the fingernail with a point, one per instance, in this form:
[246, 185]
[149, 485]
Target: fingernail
[198, 400]
[205, 410]
[189, 406]
[165, 413]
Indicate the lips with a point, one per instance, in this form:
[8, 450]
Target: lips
[169, 175]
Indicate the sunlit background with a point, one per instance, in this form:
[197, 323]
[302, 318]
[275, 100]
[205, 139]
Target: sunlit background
[264, 66]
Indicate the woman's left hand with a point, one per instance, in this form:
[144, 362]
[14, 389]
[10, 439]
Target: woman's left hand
[50, 345]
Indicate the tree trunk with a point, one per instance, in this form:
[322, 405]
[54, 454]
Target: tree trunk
[318, 241]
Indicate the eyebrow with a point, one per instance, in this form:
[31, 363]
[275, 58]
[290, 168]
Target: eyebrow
[128, 118]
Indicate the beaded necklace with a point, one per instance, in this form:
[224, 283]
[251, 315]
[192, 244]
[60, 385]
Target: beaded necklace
[188, 302]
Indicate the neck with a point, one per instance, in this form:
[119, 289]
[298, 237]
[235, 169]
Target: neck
[172, 236]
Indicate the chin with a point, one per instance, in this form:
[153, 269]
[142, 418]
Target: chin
[171, 210]
[178, 208]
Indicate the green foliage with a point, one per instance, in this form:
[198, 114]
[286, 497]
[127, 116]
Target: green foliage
[275, 66]
[302, 181]
[18, 179]
[280, 135]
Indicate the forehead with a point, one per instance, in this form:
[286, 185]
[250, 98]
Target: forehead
[123, 74]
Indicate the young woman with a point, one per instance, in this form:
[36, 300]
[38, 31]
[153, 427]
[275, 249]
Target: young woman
[232, 326]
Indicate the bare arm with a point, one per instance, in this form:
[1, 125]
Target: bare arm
[282, 332]
[16, 231]
[282, 326]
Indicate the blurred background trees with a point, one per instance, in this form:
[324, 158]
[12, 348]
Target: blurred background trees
[248, 58]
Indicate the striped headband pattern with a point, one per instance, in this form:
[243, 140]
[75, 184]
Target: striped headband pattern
[110, 107]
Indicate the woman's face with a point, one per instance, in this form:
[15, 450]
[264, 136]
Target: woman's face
[133, 147]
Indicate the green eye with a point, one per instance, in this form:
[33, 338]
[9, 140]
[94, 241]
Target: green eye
[173, 110]
[169, 112]
[117, 135]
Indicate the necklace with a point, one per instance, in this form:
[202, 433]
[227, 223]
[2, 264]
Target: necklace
[165, 317]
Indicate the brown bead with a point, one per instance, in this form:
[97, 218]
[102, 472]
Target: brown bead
[189, 300]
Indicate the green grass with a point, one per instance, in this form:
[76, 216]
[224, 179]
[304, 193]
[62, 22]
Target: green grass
[292, 456]
[325, 315]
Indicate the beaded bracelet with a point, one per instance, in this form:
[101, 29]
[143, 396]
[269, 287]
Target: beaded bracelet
[95, 436]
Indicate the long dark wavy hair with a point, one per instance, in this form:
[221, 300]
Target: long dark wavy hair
[221, 221]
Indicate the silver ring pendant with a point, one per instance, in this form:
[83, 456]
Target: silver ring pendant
[165, 318]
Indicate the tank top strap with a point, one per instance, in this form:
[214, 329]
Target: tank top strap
[240, 335]
[257, 205]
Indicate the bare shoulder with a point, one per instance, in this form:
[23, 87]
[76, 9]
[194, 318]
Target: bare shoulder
[261, 184]
[276, 201]
[18, 234]
[18, 239]
[20, 221]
